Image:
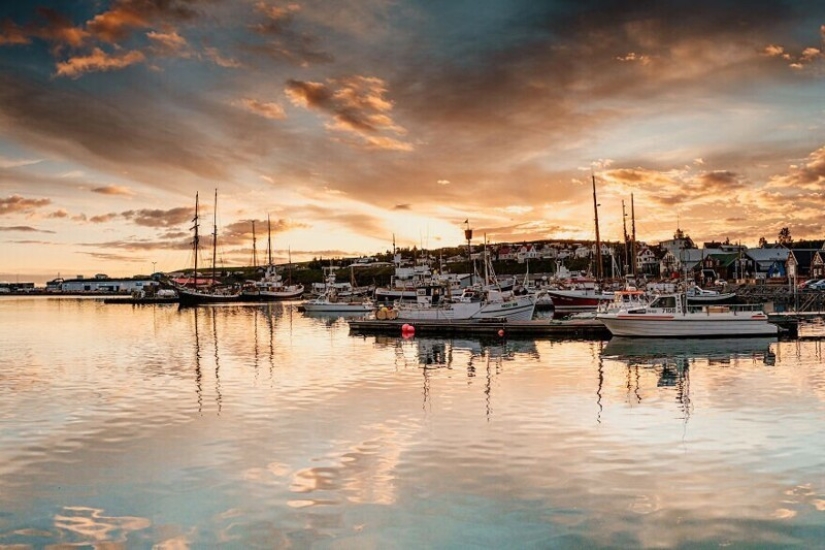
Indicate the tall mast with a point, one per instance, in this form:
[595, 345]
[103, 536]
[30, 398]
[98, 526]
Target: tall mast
[254, 247]
[633, 229]
[196, 239]
[268, 241]
[598, 241]
[214, 235]
[626, 243]
[289, 257]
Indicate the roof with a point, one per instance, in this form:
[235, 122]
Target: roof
[767, 254]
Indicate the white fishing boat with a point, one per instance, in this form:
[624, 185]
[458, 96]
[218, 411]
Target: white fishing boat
[331, 302]
[669, 315]
[433, 302]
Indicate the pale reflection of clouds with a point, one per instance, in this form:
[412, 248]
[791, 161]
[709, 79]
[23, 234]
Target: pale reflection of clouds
[91, 524]
[645, 504]
[177, 543]
[364, 474]
[800, 495]
[272, 474]
[783, 513]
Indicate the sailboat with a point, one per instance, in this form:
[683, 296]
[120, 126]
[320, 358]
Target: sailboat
[214, 294]
[584, 299]
[271, 287]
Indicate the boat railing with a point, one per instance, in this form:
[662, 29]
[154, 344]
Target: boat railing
[730, 308]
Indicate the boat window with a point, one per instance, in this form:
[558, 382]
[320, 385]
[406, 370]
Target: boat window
[664, 302]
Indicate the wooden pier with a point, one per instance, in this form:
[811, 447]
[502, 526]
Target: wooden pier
[516, 329]
[790, 324]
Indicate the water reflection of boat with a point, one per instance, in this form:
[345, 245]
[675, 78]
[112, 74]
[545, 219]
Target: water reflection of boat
[440, 352]
[635, 349]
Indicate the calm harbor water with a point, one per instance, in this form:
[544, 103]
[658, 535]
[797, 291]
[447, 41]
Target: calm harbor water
[258, 426]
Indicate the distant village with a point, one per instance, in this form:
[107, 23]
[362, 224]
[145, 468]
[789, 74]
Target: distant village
[679, 257]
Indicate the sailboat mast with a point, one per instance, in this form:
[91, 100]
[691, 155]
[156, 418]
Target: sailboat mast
[196, 240]
[633, 229]
[214, 235]
[268, 241]
[626, 243]
[254, 247]
[598, 241]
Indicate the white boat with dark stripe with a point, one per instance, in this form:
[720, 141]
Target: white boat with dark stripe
[669, 316]
[434, 302]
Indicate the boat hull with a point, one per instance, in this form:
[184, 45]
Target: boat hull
[190, 298]
[688, 325]
[271, 296]
[513, 310]
[310, 307]
[566, 301]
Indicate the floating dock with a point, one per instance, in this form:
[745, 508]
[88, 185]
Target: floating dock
[142, 301]
[588, 328]
[789, 324]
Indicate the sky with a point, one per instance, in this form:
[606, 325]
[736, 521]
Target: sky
[348, 124]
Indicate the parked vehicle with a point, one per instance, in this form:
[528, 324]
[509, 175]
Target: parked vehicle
[811, 284]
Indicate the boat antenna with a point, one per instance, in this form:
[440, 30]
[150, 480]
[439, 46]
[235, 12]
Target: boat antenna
[598, 241]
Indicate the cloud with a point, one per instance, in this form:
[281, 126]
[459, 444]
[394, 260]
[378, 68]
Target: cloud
[59, 214]
[355, 105]
[12, 34]
[215, 56]
[168, 43]
[402, 207]
[809, 175]
[126, 15]
[15, 204]
[58, 29]
[24, 229]
[277, 16]
[286, 43]
[129, 130]
[160, 218]
[807, 56]
[6, 163]
[266, 110]
[103, 218]
[98, 60]
[114, 190]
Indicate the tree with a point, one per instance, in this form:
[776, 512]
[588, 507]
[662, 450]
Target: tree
[763, 242]
[785, 238]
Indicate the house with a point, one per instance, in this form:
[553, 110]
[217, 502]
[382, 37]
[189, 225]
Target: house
[805, 263]
[680, 241]
[506, 252]
[548, 252]
[581, 251]
[646, 261]
[527, 252]
[766, 263]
